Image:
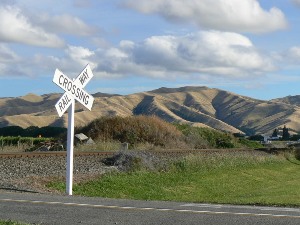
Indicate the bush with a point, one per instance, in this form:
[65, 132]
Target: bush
[153, 131]
[200, 138]
[135, 130]
[135, 161]
[250, 144]
[297, 154]
[22, 140]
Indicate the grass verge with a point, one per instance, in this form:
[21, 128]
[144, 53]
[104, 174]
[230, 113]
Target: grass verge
[9, 222]
[216, 178]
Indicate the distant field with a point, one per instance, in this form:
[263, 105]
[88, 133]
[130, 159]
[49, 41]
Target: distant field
[217, 178]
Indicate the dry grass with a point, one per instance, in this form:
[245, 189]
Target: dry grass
[14, 148]
[135, 130]
[99, 146]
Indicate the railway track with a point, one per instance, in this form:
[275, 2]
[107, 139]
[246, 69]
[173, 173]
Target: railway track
[169, 152]
[51, 154]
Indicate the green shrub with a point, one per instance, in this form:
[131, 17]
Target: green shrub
[200, 138]
[250, 144]
[7, 141]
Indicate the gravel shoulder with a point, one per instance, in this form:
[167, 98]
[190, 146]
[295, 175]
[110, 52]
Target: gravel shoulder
[32, 174]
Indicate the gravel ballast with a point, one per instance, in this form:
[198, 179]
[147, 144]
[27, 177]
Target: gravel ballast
[23, 173]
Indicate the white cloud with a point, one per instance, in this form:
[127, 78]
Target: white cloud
[291, 56]
[64, 24]
[7, 2]
[79, 54]
[229, 15]
[212, 52]
[8, 58]
[12, 65]
[73, 61]
[15, 27]
[294, 52]
[7, 55]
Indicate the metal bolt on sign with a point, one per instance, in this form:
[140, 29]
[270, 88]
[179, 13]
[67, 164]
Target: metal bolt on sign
[73, 91]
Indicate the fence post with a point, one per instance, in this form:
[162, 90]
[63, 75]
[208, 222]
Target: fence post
[124, 146]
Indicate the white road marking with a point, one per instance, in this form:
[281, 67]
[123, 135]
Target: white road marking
[262, 208]
[154, 209]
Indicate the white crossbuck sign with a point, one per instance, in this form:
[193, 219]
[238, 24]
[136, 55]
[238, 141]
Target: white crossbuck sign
[73, 89]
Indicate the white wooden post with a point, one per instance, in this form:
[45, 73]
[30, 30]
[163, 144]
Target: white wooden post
[70, 148]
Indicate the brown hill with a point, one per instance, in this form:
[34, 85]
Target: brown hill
[292, 100]
[198, 106]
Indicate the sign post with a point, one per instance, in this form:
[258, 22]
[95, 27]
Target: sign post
[70, 148]
[73, 90]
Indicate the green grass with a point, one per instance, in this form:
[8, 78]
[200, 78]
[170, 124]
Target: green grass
[238, 179]
[202, 137]
[9, 222]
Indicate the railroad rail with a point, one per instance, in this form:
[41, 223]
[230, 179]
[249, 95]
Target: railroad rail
[50, 153]
[168, 152]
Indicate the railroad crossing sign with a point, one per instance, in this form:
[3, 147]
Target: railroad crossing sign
[73, 91]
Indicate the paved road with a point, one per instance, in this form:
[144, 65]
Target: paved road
[54, 209]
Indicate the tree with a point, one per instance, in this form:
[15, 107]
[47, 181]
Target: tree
[285, 133]
[11, 131]
[31, 131]
[275, 133]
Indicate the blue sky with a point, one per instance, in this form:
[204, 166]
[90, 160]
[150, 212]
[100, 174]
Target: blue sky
[250, 47]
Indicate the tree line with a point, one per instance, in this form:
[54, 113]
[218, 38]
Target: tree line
[32, 131]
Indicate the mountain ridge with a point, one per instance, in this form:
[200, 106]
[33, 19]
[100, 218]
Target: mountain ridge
[195, 105]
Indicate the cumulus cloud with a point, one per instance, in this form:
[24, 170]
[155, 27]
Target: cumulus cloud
[16, 27]
[72, 62]
[79, 55]
[64, 24]
[212, 52]
[202, 54]
[11, 64]
[7, 55]
[229, 15]
[291, 56]
[295, 52]
[7, 2]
